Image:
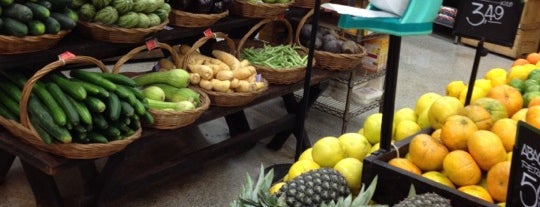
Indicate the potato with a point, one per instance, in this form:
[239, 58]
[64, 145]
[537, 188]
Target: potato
[245, 86]
[194, 78]
[224, 75]
[206, 84]
[227, 58]
[243, 72]
[234, 83]
[220, 86]
[165, 64]
[204, 71]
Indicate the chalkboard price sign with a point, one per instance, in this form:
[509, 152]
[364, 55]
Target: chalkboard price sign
[494, 21]
[524, 184]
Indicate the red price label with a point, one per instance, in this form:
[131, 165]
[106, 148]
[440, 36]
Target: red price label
[281, 17]
[66, 55]
[208, 33]
[151, 44]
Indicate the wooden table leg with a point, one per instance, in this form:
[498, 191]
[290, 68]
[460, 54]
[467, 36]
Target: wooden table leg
[237, 123]
[6, 160]
[89, 174]
[106, 180]
[43, 186]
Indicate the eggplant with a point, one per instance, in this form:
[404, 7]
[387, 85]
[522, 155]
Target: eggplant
[201, 6]
[182, 5]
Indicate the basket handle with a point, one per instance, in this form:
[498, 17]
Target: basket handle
[27, 89]
[301, 24]
[203, 40]
[118, 65]
[259, 25]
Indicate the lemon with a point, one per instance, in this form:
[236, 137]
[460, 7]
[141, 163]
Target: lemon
[455, 87]
[484, 84]
[351, 169]
[372, 128]
[519, 72]
[306, 154]
[374, 148]
[404, 114]
[355, 145]
[275, 188]
[439, 178]
[477, 93]
[299, 167]
[423, 119]
[425, 101]
[327, 151]
[405, 129]
[361, 131]
[497, 76]
[509, 156]
[441, 109]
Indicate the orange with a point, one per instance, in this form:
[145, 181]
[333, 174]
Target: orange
[520, 61]
[534, 101]
[426, 152]
[477, 191]
[533, 58]
[497, 181]
[506, 129]
[456, 130]
[486, 148]
[461, 168]
[533, 116]
[478, 115]
[496, 109]
[509, 96]
[405, 164]
[437, 134]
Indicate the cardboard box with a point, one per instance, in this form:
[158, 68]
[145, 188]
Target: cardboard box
[376, 46]
[530, 17]
[526, 41]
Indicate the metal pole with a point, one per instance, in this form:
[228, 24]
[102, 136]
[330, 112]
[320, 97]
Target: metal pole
[390, 83]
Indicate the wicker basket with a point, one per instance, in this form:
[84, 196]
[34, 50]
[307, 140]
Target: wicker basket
[19, 45]
[27, 133]
[329, 60]
[274, 76]
[309, 4]
[222, 98]
[187, 19]
[168, 119]
[258, 9]
[113, 34]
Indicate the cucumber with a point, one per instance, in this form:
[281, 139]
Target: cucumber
[39, 11]
[71, 14]
[84, 114]
[80, 137]
[14, 27]
[4, 112]
[59, 5]
[94, 104]
[18, 12]
[97, 137]
[17, 78]
[52, 26]
[50, 103]
[99, 121]
[127, 109]
[119, 79]
[10, 89]
[46, 4]
[72, 88]
[147, 118]
[66, 23]
[94, 89]
[43, 134]
[124, 129]
[59, 95]
[139, 106]
[93, 77]
[6, 2]
[137, 92]
[124, 93]
[135, 123]
[45, 120]
[36, 27]
[11, 105]
[112, 133]
[113, 107]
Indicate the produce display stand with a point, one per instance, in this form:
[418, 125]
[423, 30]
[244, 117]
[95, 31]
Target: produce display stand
[122, 172]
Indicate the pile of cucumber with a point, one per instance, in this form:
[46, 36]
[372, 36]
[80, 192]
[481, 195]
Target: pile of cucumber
[36, 17]
[86, 107]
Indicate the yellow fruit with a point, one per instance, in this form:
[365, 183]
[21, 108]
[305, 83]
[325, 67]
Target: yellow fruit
[477, 93]
[405, 164]
[299, 167]
[506, 129]
[426, 152]
[496, 109]
[455, 87]
[372, 128]
[374, 148]
[306, 154]
[509, 96]
[484, 84]
[439, 178]
[405, 129]
[355, 145]
[497, 181]
[501, 204]
[425, 101]
[443, 108]
[436, 134]
[517, 72]
[486, 148]
[361, 131]
[461, 168]
[509, 156]
[404, 114]
[423, 120]
[520, 115]
[351, 169]
[275, 188]
[497, 76]
[480, 116]
[456, 131]
[327, 151]
[476, 191]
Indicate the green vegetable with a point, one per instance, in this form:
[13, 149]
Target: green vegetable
[140, 5]
[176, 77]
[97, 137]
[100, 121]
[18, 12]
[174, 94]
[39, 11]
[70, 87]
[154, 19]
[176, 106]
[14, 27]
[112, 133]
[11, 104]
[107, 15]
[122, 6]
[127, 109]
[87, 12]
[66, 105]
[36, 27]
[4, 112]
[6, 2]
[45, 121]
[48, 100]
[113, 107]
[276, 57]
[154, 92]
[118, 79]
[43, 134]
[144, 21]
[52, 26]
[94, 104]
[72, 14]
[93, 77]
[82, 110]
[147, 118]
[66, 22]
[101, 3]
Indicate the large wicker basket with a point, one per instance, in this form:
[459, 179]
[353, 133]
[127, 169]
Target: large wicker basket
[222, 98]
[187, 19]
[19, 45]
[329, 60]
[25, 131]
[273, 76]
[168, 119]
[249, 9]
[114, 34]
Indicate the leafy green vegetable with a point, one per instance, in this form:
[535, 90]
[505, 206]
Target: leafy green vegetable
[276, 57]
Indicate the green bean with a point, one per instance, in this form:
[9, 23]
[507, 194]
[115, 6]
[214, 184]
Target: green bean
[276, 57]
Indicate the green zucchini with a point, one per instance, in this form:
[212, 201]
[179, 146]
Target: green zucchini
[84, 114]
[93, 77]
[127, 109]
[113, 107]
[43, 134]
[97, 137]
[175, 77]
[119, 79]
[80, 137]
[45, 120]
[47, 99]
[70, 87]
[66, 105]
[95, 104]
[100, 122]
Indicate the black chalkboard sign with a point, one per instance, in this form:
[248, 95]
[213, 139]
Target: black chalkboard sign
[495, 21]
[524, 184]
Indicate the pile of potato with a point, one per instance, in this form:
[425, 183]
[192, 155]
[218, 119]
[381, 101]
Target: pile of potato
[221, 73]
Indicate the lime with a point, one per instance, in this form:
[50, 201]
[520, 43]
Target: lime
[517, 84]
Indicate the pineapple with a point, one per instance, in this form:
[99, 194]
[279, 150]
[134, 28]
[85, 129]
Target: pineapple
[426, 199]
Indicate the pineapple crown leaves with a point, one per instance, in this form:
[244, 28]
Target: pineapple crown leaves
[258, 195]
[362, 200]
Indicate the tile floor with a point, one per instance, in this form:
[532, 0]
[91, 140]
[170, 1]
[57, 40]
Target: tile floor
[427, 63]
